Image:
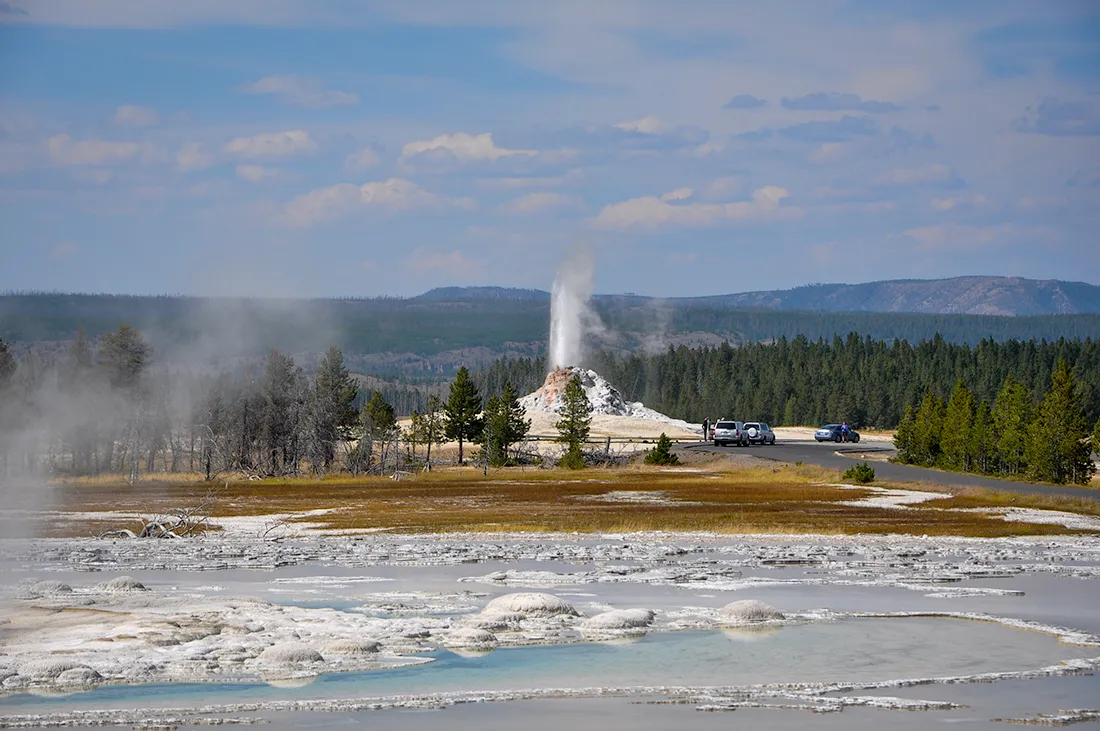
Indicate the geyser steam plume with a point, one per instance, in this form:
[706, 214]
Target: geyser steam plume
[571, 318]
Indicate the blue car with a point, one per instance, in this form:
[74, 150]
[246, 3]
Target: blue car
[832, 433]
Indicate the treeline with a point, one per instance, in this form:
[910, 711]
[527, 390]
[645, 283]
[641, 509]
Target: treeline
[802, 381]
[1048, 440]
[104, 408]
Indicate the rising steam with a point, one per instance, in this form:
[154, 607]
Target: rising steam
[572, 319]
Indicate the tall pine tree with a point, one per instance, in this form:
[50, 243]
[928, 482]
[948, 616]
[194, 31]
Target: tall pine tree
[1011, 422]
[504, 425]
[957, 423]
[1057, 448]
[462, 412]
[575, 423]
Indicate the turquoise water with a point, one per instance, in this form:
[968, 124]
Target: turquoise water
[848, 650]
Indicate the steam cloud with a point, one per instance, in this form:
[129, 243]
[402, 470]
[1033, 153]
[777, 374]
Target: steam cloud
[572, 319]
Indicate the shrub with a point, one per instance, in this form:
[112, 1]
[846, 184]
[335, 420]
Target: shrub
[662, 453]
[573, 459]
[860, 473]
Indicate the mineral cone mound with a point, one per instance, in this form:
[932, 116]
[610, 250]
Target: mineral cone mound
[602, 396]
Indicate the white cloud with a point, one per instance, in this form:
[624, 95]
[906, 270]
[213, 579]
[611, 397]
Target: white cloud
[135, 116]
[274, 144]
[361, 160]
[829, 152]
[652, 212]
[722, 188]
[952, 236]
[464, 147]
[680, 194]
[453, 263]
[343, 199]
[64, 150]
[194, 157]
[537, 203]
[947, 204]
[300, 91]
[530, 182]
[707, 149]
[931, 173]
[256, 173]
[646, 125]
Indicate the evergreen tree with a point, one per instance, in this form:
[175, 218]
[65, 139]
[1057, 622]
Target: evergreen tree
[280, 415]
[927, 430]
[7, 365]
[504, 425]
[575, 422]
[331, 407]
[661, 454]
[123, 354]
[983, 442]
[1096, 438]
[1057, 448]
[462, 412]
[1011, 422]
[957, 423]
[904, 439]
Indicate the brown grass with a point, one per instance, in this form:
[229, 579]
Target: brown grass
[760, 499]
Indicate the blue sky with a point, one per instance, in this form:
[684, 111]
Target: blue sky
[332, 147]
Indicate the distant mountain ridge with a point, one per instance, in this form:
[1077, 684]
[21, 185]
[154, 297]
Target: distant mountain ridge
[973, 295]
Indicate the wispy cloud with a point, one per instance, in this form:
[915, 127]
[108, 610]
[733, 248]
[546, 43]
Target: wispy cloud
[274, 144]
[256, 173]
[462, 147]
[745, 101]
[344, 199]
[832, 101]
[135, 116]
[361, 159]
[300, 91]
[64, 150]
[193, 157]
[846, 128]
[931, 173]
[1060, 119]
[653, 212]
[541, 202]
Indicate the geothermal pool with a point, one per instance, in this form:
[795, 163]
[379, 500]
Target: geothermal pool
[401, 631]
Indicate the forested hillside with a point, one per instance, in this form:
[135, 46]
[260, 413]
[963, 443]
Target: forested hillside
[801, 381]
[428, 339]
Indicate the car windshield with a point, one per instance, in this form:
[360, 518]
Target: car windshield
[830, 426]
[726, 425]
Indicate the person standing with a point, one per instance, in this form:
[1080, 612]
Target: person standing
[844, 431]
[706, 428]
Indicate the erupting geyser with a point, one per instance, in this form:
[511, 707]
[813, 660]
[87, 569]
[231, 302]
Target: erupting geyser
[570, 316]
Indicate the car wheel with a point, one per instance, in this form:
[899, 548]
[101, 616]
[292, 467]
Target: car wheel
[855, 438]
[837, 439]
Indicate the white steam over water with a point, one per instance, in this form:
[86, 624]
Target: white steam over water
[571, 317]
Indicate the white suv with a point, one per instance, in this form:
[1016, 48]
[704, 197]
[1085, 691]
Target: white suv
[759, 432]
[730, 432]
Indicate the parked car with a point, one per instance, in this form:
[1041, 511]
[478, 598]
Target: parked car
[730, 432]
[759, 433]
[832, 433]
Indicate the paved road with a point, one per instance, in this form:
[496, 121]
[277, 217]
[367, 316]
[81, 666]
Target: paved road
[842, 456]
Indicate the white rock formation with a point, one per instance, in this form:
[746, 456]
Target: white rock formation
[352, 647]
[748, 611]
[531, 604]
[470, 638]
[121, 584]
[619, 619]
[602, 396]
[290, 653]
